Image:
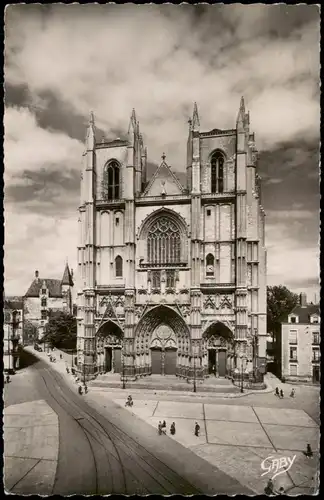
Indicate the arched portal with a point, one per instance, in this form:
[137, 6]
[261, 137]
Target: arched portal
[109, 342]
[162, 343]
[218, 342]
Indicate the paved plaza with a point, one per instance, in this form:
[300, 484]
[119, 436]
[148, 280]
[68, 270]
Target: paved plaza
[31, 446]
[237, 439]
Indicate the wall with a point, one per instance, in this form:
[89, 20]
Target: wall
[304, 350]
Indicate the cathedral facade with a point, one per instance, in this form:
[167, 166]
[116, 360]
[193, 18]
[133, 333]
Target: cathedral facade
[171, 278]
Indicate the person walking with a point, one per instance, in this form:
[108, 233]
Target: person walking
[197, 429]
[292, 394]
[85, 389]
[277, 392]
[172, 429]
[61, 357]
[281, 393]
[80, 389]
[8, 378]
[269, 489]
[309, 452]
[160, 428]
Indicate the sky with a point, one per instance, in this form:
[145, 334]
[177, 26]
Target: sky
[63, 61]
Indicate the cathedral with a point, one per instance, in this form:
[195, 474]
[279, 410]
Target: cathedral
[172, 278]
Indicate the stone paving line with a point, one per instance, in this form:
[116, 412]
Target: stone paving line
[255, 433]
[31, 446]
[216, 446]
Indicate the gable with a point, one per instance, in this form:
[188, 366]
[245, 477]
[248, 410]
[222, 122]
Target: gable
[164, 182]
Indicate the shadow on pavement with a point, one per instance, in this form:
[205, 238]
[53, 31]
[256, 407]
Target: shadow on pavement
[27, 359]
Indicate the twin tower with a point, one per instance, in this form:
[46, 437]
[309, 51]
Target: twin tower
[172, 278]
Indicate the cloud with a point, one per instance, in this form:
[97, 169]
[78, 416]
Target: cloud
[126, 56]
[36, 242]
[158, 59]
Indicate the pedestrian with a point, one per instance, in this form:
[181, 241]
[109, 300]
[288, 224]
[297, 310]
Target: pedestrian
[164, 424]
[309, 452]
[277, 392]
[67, 370]
[61, 357]
[85, 388]
[281, 393]
[172, 429]
[197, 429]
[8, 378]
[268, 490]
[292, 394]
[80, 389]
[160, 428]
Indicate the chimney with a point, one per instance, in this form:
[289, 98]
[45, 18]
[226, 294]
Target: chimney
[37, 275]
[303, 299]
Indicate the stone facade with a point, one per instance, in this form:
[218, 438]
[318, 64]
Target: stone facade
[13, 331]
[46, 295]
[300, 343]
[171, 279]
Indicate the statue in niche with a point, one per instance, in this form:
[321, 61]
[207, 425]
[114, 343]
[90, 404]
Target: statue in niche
[163, 190]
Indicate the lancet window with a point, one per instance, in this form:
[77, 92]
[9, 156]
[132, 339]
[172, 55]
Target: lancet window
[217, 173]
[210, 260]
[164, 242]
[119, 266]
[111, 181]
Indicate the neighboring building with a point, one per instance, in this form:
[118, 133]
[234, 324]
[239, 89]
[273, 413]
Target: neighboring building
[13, 314]
[46, 295]
[300, 338]
[171, 279]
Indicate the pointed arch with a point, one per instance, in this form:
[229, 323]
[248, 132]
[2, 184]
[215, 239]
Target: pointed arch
[217, 162]
[111, 180]
[210, 265]
[119, 266]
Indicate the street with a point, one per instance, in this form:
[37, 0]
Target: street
[108, 454]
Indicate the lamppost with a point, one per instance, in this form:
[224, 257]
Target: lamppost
[123, 367]
[242, 371]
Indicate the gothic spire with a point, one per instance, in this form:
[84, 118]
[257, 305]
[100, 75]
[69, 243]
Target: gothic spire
[90, 137]
[195, 118]
[241, 113]
[67, 277]
[132, 122]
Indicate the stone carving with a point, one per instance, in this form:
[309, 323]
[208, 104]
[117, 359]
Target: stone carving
[184, 290]
[139, 311]
[209, 303]
[225, 303]
[170, 291]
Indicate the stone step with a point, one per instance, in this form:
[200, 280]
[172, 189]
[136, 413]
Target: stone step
[164, 385]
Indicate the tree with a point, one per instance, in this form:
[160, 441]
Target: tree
[30, 331]
[280, 302]
[61, 330]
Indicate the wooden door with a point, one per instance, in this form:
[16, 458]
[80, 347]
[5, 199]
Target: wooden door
[156, 360]
[170, 362]
[222, 363]
[117, 361]
[108, 356]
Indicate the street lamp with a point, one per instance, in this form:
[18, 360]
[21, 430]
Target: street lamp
[123, 368]
[242, 372]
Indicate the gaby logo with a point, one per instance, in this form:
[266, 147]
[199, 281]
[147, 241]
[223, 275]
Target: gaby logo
[276, 465]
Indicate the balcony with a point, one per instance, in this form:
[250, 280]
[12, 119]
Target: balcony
[162, 265]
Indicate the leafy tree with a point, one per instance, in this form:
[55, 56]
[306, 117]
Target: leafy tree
[30, 331]
[280, 302]
[61, 330]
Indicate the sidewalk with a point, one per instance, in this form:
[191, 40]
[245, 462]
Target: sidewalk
[60, 365]
[236, 439]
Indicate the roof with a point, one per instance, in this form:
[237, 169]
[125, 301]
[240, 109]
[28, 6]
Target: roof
[304, 313]
[67, 277]
[54, 287]
[162, 175]
[13, 303]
